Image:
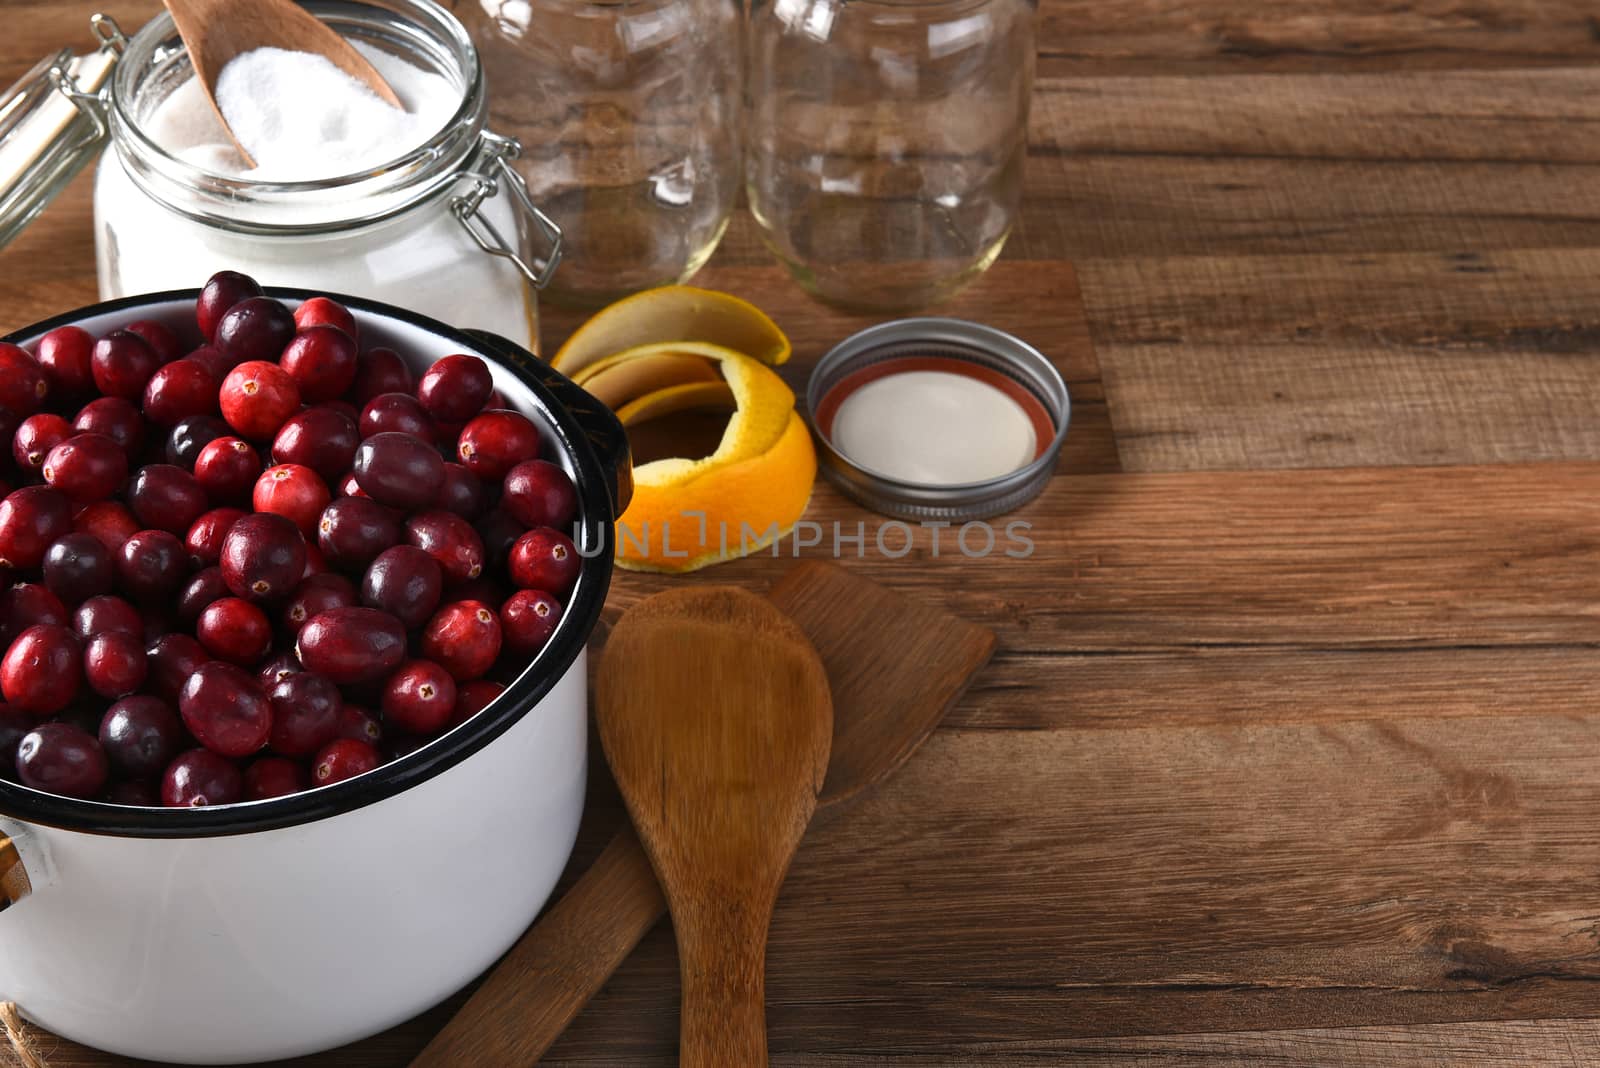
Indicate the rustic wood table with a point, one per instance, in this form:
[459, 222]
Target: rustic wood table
[1291, 750]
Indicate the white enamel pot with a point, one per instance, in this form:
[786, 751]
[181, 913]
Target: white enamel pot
[278, 928]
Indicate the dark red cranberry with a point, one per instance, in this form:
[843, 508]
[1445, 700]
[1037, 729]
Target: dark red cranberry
[234, 630]
[461, 492]
[544, 559]
[322, 361]
[256, 328]
[305, 714]
[206, 535]
[152, 565]
[28, 604]
[380, 371]
[349, 487]
[205, 588]
[115, 664]
[322, 439]
[354, 530]
[78, 566]
[321, 311]
[463, 638]
[277, 668]
[495, 442]
[179, 390]
[141, 735]
[224, 710]
[397, 413]
[173, 658]
[35, 437]
[87, 467]
[358, 723]
[257, 398]
[133, 792]
[527, 620]
[293, 491]
[64, 355]
[341, 759]
[540, 494]
[405, 582]
[60, 758]
[30, 519]
[263, 557]
[455, 388]
[498, 531]
[190, 435]
[352, 645]
[222, 291]
[42, 669]
[117, 419]
[122, 364]
[110, 521]
[227, 469]
[164, 497]
[159, 337]
[199, 778]
[23, 385]
[315, 595]
[450, 540]
[473, 697]
[270, 777]
[100, 615]
[419, 698]
[399, 470]
[212, 360]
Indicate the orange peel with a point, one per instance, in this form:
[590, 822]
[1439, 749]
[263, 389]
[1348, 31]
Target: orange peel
[668, 313]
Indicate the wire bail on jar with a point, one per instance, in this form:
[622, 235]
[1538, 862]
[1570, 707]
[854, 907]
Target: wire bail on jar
[488, 169]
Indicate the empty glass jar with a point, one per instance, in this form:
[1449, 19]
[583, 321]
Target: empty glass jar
[886, 140]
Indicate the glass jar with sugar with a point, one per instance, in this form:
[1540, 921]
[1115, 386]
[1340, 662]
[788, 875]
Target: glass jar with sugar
[419, 209]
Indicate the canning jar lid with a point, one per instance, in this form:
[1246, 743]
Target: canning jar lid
[993, 409]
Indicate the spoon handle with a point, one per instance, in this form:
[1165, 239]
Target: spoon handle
[723, 1019]
[557, 966]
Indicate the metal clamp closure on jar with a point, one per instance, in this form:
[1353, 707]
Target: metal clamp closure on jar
[488, 169]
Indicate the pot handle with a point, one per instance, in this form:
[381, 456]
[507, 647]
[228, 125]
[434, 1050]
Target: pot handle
[14, 882]
[600, 426]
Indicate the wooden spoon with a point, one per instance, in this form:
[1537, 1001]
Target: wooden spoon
[715, 717]
[214, 31]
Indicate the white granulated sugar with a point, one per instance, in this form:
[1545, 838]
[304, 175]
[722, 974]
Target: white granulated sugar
[301, 118]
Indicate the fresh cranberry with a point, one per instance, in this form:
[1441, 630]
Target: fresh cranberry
[419, 698]
[179, 390]
[305, 714]
[322, 311]
[206, 535]
[358, 723]
[173, 658]
[352, 645]
[322, 361]
[294, 492]
[256, 328]
[540, 494]
[141, 735]
[134, 792]
[450, 540]
[199, 778]
[354, 530]
[78, 566]
[399, 470]
[159, 337]
[23, 385]
[461, 492]
[227, 469]
[276, 669]
[42, 669]
[498, 531]
[341, 759]
[257, 398]
[263, 557]
[106, 614]
[379, 371]
[28, 604]
[110, 521]
[117, 419]
[527, 620]
[315, 595]
[164, 497]
[191, 434]
[60, 758]
[323, 439]
[473, 697]
[544, 559]
[204, 588]
[122, 364]
[152, 565]
[349, 487]
[224, 710]
[495, 442]
[455, 388]
[405, 582]
[463, 638]
[234, 630]
[115, 663]
[64, 355]
[396, 413]
[30, 519]
[270, 777]
[35, 437]
[213, 361]
[222, 291]
[86, 467]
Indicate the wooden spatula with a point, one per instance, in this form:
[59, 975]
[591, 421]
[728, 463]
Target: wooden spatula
[214, 31]
[895, 667]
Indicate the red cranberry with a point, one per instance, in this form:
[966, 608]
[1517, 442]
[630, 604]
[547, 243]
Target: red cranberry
[342, 759]
[419, 698]
[205, 537]
[321, 311]
[271, 777]
[263, 557]
[42, 669]
[133, 792]
[115, 663]
[405, 582]
[101, 615]
[540, 494]
[276, 669]
[179, 390]
[463, 638]
[159, 337]
[455, 388]
[152, 565]
[380, 371]
[396, 413]
[141, 735]
[212, 360]
[322, 361]
[35, 437]
[60, 758]
[256, 328]
[305, 714]
[315, 595]
[222, 291]
[354, 530]
[461, 492]
[110, 521]
[64, 355]
[164, 497]
[323, 439]
[257, 398]
[495, 442]
[227, 469]
[199, 778]
[86, 467]
[349, 487]
[544, 559]
[234, 630]
[473, 697]
[399, 470]
[527, 620]
[122, 364]
[173, 658]
[28, 604]
[117, 419]
[499, 531]
[189, 435]
[78, 566]
[352, 645]
[356, 722]
[30, 519]
[224, 710]
[23, 385]
[450, 540]
[294, 492]
[204, 589]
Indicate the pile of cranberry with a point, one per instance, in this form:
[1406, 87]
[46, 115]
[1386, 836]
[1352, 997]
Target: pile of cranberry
[250, 569]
